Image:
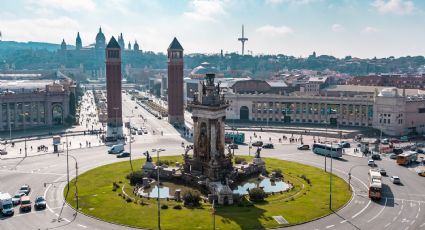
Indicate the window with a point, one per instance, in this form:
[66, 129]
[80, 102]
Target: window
[421, 110]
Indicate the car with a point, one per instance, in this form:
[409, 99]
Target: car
[257, 144]
[133, 132]
[123, 154]
[385, 141]
[382, 172]
[111, 139]
[376, 156]
[422, 173]
[420, 151]
[371, 163]
[303, 147]
[397, 151]
[115, 149]
[404, 139]
[140, 131]
[3, 152]
[145, 131]
[395, 180]
[268, 146]
[234, 146]
[393, 156]
[25, 204]
[344, 144]
[26, 189]
[40, 203]
[16, 199]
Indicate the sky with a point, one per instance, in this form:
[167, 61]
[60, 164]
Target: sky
[360, 28]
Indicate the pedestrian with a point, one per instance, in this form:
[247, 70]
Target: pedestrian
[20, 151]
[31, 147]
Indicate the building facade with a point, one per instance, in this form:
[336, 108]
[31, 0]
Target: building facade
[175, 83]
[30, 107]
[113, 83]
[399, 114]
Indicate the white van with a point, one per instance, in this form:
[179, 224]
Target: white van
[115, 149]
[6, 204]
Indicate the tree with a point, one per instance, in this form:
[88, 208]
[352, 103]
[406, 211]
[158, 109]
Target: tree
[256, 195]
[191, 198]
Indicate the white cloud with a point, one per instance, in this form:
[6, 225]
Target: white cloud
[300, 2]
[67, 5]
[274, 30]
[206, 10]
[398, 7]
[370, 29]
[337, 28]
[40, 29]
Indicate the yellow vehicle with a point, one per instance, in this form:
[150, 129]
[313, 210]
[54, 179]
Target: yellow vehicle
[421, 173]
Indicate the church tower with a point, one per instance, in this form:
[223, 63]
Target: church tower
[113, 88]
[100, 40]
[175, 83]
[121, 41]
[136, 46]
[63, 45]
[78, 43]
[129, 46]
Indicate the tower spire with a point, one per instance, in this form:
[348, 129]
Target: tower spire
[243, 39]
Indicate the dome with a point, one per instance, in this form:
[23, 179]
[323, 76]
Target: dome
[100, 36]
[203, 69]
[389, 92]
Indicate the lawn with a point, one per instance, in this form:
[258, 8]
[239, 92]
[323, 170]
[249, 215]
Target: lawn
[305, 202]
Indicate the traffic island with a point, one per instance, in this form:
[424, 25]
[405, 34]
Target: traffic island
[105, 193]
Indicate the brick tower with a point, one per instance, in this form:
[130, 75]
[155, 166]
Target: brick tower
[175, 83]
[113, 88]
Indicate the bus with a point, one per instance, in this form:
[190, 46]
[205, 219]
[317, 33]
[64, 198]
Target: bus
[237, 138]
[407, 158]
[327, 150]
[375, 185]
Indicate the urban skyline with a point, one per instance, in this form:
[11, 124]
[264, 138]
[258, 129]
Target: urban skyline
[357, 28]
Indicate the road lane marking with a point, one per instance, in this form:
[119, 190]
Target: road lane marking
[343, 221]
[412, 222]
[387, 225]
[330, 226]
[395, 218]
[422, 225]
[406, 228]
[83, 226]
[379, 213]
[355, 215]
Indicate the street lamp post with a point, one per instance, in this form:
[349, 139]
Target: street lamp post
[330, 184]
[157, 173]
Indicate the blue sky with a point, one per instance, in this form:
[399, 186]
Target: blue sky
[361, 28]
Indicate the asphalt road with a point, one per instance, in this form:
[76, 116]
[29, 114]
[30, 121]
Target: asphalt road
[403, 206]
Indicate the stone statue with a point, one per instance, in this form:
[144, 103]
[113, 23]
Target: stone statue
[148, 156]
[257, 153]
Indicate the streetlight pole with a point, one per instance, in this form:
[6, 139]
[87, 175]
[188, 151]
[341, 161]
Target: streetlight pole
[129, 123]
[330, 183]
[157, 173]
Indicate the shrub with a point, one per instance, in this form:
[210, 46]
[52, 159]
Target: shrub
[128, 199]
[306, 179]
[191, 198]
[256, 195]
[177, 207]
[136, 177]
[164, 206]
[239, 160]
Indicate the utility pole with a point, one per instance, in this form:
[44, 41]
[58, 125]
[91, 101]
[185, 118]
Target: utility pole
[330, 183]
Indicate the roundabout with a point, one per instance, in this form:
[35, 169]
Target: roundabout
[308, 200]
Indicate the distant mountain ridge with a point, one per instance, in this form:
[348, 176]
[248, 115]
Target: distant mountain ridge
[31, 45]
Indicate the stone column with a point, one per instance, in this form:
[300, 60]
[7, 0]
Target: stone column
[213, 140]
[48, 113]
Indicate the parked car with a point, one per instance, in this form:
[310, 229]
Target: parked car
[40, 203]
[123, 154]
[344, 144]
[268, 146]
[420, 151]
[385, 141]
[3, 152]
[371, 163]
[133, 132]
[395, 180]
[376, 156]
[303, 147]
[16, 199]
[234, 146]
[393, 156]
[25, 204]
[26, 189]
[257, 144]
[140, 131]
[382, 171]
[397, 151]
